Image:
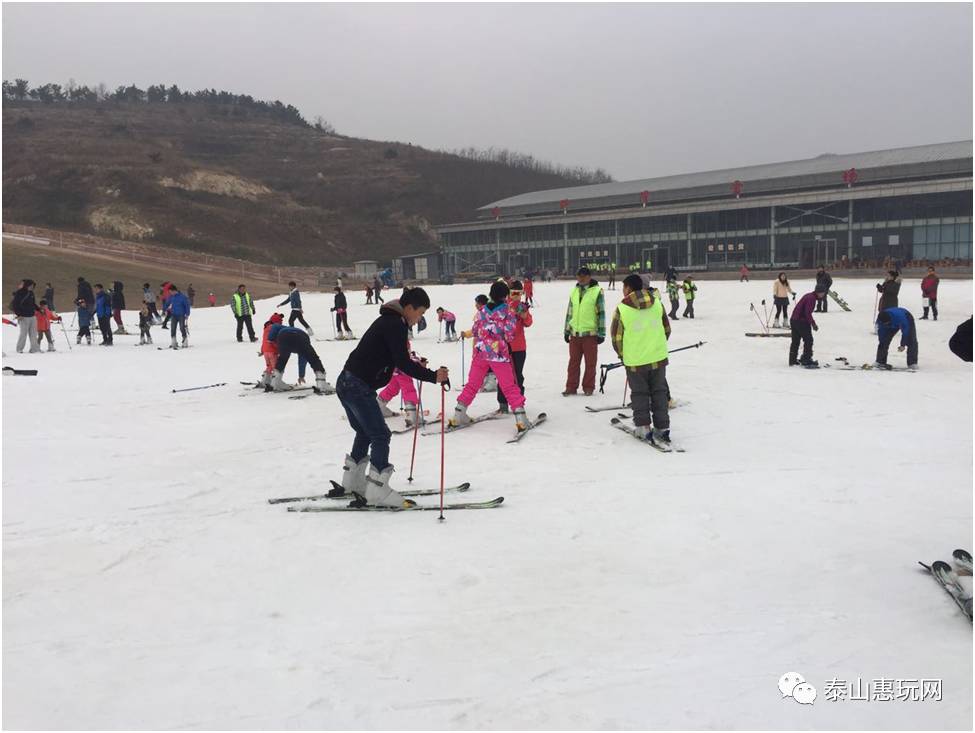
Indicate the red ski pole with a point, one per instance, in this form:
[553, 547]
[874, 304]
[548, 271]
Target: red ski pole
[416, 429]
[443, 420]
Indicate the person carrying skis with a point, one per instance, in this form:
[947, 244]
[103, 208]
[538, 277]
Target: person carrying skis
[584, 331]
[84, 321]
[269, 350]
[824, 282]
[382, 348]
[803, 324]
[242, 305]
[780, 297]
[690, 290]
[294, 298]
[145, 323]
[178, 308]
[118, 305]
[103, 312]
[25, 308]
[341, 309]
[889, 322]
[518, 346]
[45, 317]
[492, 331]
[929, 294]
[450, 324]
[401, 383]
[639, 331]
[673, 292]
[290, 340]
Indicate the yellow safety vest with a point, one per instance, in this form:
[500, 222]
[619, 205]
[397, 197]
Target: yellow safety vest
[584, 309]
[644, 338]
[239, 303]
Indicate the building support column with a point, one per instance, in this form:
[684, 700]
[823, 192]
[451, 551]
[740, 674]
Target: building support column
[690, 255]
[849, 231]
[497, 250]
[565, 247]
[771, 239]
[616, 243]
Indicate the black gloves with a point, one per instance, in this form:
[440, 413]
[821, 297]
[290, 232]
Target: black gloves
[600, 339]
[566, 338]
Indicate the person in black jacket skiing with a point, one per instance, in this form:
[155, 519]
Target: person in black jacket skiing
[118, 305]
[86, 294]
[382, 348]
[341, 315]
[824, 283]
[25, 308]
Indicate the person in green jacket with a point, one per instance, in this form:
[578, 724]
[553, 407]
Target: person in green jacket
[640, 330]
[689, 289]
[584, 331]
[673, 292]
[242, 305]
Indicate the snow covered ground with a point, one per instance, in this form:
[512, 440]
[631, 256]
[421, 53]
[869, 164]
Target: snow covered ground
[148, 584]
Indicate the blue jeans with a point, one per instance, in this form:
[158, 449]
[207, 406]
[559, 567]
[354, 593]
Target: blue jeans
[365, 417]
[178, 321]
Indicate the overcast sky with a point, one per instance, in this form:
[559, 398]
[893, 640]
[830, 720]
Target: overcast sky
[640, 90]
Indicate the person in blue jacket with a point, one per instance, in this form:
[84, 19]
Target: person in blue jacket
[178, 310]
[889, 322]
[103, 311]
[294, 299]
[291, 340]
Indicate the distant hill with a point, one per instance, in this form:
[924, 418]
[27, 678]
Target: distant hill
[232, 179]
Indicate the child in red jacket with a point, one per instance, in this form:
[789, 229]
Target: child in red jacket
[269, 350]
[45, 317]
[518, 346]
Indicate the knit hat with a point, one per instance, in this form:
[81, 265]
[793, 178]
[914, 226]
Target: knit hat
[276, 318]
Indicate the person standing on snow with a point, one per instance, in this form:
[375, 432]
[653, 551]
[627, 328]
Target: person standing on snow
[294, 298]
[690, 292]
[25, 308]
[402, 384]
[178, 309]
[929, 293]
[640, 330]
[518, 346]
[493, 330]
[381, 349]
[673, 292]
[803, 324]
[825, 283]
[103, 311]
[149, 298]
[743, 274]
[341, 309]
[889, 322]
[889, 290]
[781, 290]
[584, 331]
[118, 305]
[86, 294]
[242, 305]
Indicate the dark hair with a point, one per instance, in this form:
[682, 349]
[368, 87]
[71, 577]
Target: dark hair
[481, 299]
[633, 282]
[499, 291]
[439, 308]
[516, 285]
[893, 273]
[100, 286]
[884, 317]
[145, 285]
[43, 302]
[174, 288]
[583, 271]
[292, 283]
[241, 286]
[80, 279]
[416, 297]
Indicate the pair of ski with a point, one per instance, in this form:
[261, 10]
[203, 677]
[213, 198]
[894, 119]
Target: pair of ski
[542, 417]
[352, 338]
[619, 423]
[948, 579]
[338, 493]
[629, 406]
[20, 372]
[771, 334]
[845, 365]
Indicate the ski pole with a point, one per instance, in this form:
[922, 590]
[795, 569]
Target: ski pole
[334, 335]
[443, 422]
[752, 308]
[876, 304]
[768, 315]
[416, 430]
[440, 332]
[625, 385]
[73, 317]
[65, 332]
[462, 381]
[698, 345]
[206, 386]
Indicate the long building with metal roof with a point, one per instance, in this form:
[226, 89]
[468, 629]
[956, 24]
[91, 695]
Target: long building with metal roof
[910, 204]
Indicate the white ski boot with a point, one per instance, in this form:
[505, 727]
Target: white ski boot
[460, 416]
[661, 436]
[186, 343]
[775, 323]
[384, 407]
[490, 383]
[277, 382]
[378, 492]
[412, 416]
[174, 345]
[321, 384]
[310, 332]
[353, 477]
[142, 340]
[264, 382]
[643, 431]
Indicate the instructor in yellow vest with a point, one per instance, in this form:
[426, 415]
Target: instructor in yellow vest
[242, 305]
[585, 329]
[640, 330]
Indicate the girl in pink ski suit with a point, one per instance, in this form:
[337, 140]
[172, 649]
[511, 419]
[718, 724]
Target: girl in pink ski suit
[493, 329]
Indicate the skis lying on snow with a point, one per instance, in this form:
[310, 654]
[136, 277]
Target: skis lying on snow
[353, 338]
[617, 422]
[260, 390]
[314, 392]
[672, 405]
[869, 367]
[448, 428]
[542, 417]
[771, 334]
[963, 561]
[490, 504]
[839, 301]
[948, 579]
[335, 493]
[20, 372]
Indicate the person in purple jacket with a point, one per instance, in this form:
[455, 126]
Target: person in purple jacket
[803, 324]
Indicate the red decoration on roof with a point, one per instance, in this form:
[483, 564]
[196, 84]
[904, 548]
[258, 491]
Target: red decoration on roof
[736, 188]
[496, 212]
[850, 177]
[564, 204]
[644, 197]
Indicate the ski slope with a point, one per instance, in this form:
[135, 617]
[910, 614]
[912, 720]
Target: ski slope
[148, 584]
